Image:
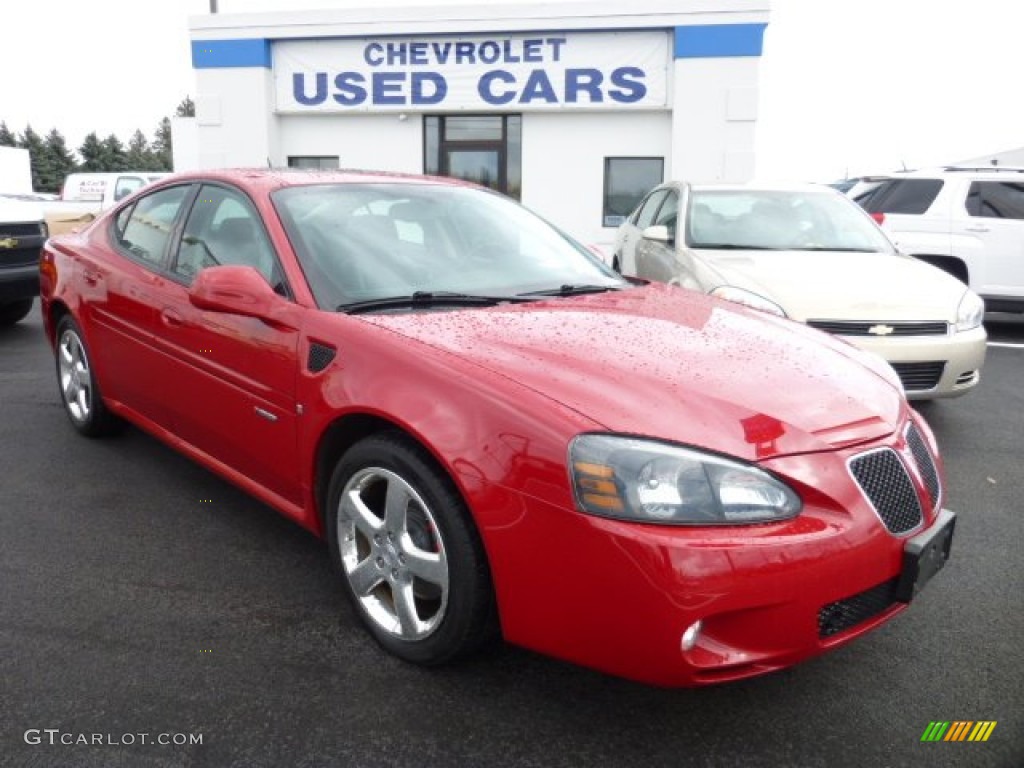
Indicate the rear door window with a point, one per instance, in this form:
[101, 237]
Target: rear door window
[996, 200]
[908, 196]
[147, 229]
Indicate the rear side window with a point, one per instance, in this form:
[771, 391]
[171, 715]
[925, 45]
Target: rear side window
[911, 196]
[996, 200]
[147, 229]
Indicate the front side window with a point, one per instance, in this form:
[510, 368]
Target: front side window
[996, 200]
[626, 181]
[644, 217]
[363, 242]
[146, 230]
[224, 229]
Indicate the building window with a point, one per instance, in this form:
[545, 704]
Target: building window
[626, 181]
[313, 162]
[484, 149]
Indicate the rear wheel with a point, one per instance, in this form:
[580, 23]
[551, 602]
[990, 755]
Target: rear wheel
[79, 391]
[13, 311]
[411, 559]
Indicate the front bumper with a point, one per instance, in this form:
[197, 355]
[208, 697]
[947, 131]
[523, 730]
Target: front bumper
[620, 596]
[960, 355]
[17, 283]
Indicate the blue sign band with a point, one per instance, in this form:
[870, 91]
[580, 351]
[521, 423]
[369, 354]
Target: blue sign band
[716, 41]
[217, 54]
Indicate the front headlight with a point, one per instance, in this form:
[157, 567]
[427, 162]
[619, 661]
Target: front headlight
[747, 299]
[971, 311]
[647, 481]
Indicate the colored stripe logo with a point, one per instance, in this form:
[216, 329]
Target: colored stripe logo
[958, 730]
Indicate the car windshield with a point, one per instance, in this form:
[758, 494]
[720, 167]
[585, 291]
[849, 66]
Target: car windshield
[362, 242]
[784, 220]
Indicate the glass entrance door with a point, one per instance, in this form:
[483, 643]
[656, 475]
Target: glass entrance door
[481, 166]
[483, 149]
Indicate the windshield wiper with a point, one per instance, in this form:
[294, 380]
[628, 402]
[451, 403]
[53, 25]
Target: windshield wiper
[837, 250]
[572, 290]
[734, 247]
[426, 299]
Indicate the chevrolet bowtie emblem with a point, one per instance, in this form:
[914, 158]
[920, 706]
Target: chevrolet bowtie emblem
[881, 330]
[8, 242]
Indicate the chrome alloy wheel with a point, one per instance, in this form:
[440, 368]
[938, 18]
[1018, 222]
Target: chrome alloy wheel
[75, 376]
[392, 553]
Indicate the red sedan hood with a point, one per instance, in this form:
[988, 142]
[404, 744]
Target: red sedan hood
[675, 365]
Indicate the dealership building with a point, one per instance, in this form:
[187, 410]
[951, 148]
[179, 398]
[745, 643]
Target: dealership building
[574, 108]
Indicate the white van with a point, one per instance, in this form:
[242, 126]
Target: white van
[105, 189]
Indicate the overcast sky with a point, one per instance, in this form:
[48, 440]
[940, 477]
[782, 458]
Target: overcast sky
[846, 86]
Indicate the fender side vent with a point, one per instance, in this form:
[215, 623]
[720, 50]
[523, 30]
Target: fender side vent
[320, 356]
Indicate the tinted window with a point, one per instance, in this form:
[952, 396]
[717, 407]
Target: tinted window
[314, 162]
[224, 229]
[626, 181]
[996, 200]
[667, 214]
[148, 226]
[645, 216]
[913, 196]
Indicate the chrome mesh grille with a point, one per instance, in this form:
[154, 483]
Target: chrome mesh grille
[925, 464]
[851, 611]
[884, 480]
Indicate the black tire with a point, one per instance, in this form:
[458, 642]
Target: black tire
[79, 390]
[436, 530]
[13, 311]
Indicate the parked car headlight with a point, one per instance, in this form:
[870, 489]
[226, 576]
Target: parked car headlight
[747, 299]
[971, 311]
[652, 482]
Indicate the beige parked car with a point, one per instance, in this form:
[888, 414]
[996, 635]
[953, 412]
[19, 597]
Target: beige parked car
[808, 253]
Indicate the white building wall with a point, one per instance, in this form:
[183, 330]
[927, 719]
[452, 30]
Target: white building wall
[381, 142]
[714, 119]
[237, 125]
[563, 163]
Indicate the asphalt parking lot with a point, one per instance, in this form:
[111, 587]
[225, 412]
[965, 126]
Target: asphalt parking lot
[142, 595]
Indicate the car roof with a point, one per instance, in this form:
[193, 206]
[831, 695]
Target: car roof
[270, 179]
[947, 171]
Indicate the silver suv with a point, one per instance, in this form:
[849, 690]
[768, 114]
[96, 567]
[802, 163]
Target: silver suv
[967, 221]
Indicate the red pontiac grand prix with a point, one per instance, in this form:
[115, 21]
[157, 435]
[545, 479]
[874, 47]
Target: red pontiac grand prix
[495, 433]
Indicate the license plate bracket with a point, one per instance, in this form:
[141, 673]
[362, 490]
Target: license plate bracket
[924, 555]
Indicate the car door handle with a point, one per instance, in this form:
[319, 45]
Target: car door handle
[91, 276]
[977, 229]
[172, 317]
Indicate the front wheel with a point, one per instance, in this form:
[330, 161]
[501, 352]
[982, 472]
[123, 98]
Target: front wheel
[411, 559]
[78, 388]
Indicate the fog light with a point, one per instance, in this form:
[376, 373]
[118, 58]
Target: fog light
[691, 635]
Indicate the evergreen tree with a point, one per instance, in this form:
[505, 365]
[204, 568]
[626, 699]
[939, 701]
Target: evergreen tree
[115, 158]
[7, 138]
[187, 108]
[92, 154]
[60, 160]
[162, 148]
[31, 141]
[140, 156]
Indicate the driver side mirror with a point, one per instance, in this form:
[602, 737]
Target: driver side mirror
[241, 290]
[659, 233]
